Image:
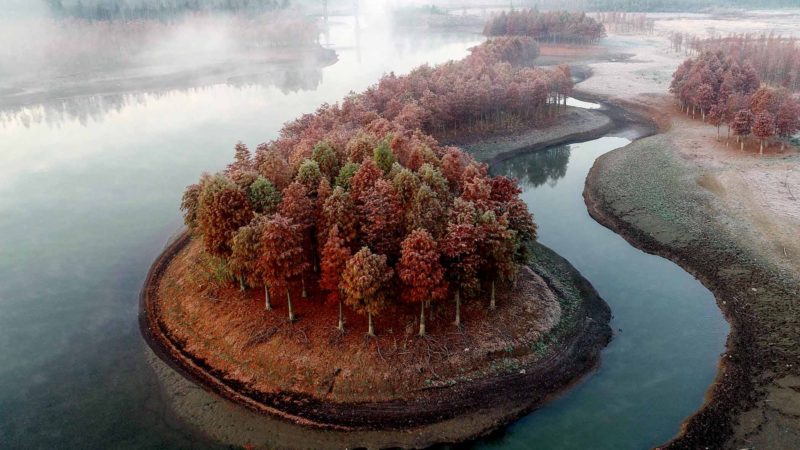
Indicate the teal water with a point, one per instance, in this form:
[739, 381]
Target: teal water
[89, 195]
[669, 333]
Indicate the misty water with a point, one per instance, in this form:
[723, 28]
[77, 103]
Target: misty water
[89, 193]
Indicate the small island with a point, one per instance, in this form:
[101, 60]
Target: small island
[355, 274]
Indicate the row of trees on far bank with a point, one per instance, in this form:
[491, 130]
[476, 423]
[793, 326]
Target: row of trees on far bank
[776, 59]
[726, 89]
[361, 199]
[552, 26]
[626, 22]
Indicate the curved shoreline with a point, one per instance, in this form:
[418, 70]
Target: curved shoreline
[712, 420]
[498, 400]
[736, 409]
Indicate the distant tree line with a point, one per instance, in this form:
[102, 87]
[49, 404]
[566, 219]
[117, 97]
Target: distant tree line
[726, 89]
[674, 5]
[626, 22]
[154, 9]
[553, 26]
[360, 198]
[775, 58]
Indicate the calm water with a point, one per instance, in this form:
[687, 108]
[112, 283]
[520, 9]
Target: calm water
[89, 194]
[669, 332]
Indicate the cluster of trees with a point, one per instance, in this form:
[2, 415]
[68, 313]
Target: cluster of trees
[727, 90]
[775, 58]
[626, 22]
[553, 26]
[358, 198]
[154, 9]
[675, 5]
[489, 89]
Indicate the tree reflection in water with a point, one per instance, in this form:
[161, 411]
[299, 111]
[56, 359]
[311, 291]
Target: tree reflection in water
[545, 166]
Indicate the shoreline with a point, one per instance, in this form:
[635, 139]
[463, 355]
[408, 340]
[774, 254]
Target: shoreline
[497, 399]
[732, 414]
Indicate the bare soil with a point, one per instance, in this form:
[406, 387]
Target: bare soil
[545, 334]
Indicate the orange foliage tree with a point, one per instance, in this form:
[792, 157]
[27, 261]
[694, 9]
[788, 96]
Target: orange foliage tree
[364, 283]
[420, 269]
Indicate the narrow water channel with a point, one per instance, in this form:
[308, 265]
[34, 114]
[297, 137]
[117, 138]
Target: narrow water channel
[669, 332]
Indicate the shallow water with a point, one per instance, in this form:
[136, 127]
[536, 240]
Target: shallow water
[669, 332]
[89, 195]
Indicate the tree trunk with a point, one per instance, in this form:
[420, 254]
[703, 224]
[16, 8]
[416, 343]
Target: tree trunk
[303, 282]
[761, 148]
[422, 319]
[289, 302]
[491, 302]
[718, 133]
[267, 304]
[458, 308]
[741, 145]
[341, 317]
[241, 284]
[371, 329]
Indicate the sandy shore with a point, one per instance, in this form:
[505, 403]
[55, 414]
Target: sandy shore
[730, 218]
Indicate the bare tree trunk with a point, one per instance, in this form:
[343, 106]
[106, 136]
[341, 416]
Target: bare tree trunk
[303, 282]
[761, 148]
[458, 308]
[289, 302]
[741, 145]
[241, 284]
[371, 329]
[422, 319]
[267, 304]
[491, 302]
[341, 317]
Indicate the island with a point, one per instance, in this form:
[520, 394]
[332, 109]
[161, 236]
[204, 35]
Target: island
[356, 274]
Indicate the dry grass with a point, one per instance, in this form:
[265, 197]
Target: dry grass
[232, 331]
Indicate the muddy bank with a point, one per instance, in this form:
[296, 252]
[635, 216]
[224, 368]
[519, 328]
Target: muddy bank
[457, 412]
[656, 201]
[576, 124]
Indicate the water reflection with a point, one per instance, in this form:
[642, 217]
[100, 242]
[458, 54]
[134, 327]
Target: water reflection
[546, 166]
[287, 78]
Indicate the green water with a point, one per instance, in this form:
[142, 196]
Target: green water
[669, 333]
[89, 195]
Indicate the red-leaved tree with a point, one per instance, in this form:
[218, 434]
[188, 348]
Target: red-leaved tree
[335, 255]
[763, 128]
[420, 269]
[364, 282]
[282, 256]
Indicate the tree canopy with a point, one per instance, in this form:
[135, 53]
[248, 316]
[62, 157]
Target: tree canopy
[361, 199]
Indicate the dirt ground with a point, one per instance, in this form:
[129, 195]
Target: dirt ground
[732, 218]
[762, 191]
[546, 333]
[232, 331]
[462, 409]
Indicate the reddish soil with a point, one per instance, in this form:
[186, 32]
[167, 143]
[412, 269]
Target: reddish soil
[538, 341]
